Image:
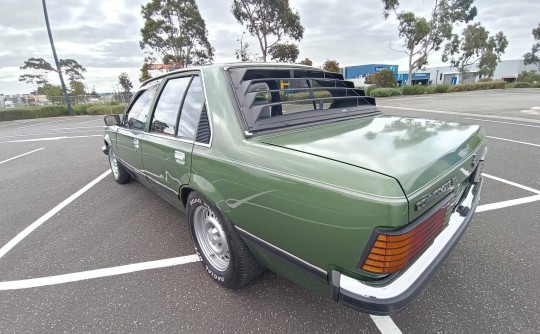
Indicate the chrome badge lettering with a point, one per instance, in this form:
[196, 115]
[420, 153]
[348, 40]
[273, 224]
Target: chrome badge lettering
[435, 194]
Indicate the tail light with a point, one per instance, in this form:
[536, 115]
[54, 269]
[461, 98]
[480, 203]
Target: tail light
[392, 250]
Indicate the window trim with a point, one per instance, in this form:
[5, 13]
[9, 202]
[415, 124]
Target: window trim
[134, 100]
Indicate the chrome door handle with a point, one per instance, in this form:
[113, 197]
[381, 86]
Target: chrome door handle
[136, 143]
[180, 157]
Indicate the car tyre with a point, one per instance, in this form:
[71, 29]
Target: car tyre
[119, 172]
[225, 256]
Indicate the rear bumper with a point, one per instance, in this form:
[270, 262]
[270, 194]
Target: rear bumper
[393, 295]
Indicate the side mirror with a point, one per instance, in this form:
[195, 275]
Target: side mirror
[111, 120]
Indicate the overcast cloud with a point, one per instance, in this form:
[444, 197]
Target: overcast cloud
[103, 35]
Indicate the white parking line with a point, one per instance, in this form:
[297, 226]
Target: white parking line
[94, 120]
[13, 242]
[29, 126]
[48, 139]
[50, 133]
[464, 114]
[385, 324]
[512, 123]
[21, 155]
[81, 127]
[514, 141]
[512, 183]
[505, 204]
[97, 273]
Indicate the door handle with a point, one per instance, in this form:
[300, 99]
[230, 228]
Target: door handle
[180, 157]
[136, 143]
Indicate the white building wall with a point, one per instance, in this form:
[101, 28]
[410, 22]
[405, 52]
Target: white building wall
[506, 69]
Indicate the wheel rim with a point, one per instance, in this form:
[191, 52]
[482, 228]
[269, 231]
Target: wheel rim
[211, 238]
[114, 163]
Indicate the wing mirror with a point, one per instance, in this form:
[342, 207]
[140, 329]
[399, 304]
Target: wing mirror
[111, 120]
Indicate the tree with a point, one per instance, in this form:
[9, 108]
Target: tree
[76, 88]
[307, 62]
[284, 52]
[528, 76]
[269, 21]
[475, 46]
[53, 93]
[422, 37]
[145, 75]
[175, 31]
[331, 66]
[94, 94]
[39, 69]
[533, 57]
[384, 78]
[125, 82]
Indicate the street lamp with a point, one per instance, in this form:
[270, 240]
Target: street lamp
[70, 110]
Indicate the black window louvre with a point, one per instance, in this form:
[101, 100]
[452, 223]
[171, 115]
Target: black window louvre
[203, 130]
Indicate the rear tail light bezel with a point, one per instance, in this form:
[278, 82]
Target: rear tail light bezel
[416, 225]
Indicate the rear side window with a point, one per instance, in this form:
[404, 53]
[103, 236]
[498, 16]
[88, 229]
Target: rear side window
[168, 106]
[138, 113]
[191, 109]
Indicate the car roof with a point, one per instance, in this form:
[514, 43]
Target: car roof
[230, 65]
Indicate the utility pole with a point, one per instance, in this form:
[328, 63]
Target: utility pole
[70, 110]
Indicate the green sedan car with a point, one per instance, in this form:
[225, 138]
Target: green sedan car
[292, 168]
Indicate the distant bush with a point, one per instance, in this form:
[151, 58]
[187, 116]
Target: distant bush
[485, 80]
[385, 92]
[414, 90]
[521, 85]
[431, 90]
[536, 85]
[477, 86]
[369, 89]
[12, 114]
[529, 76]
[442, 88]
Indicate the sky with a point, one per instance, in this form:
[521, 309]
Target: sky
[104, 35]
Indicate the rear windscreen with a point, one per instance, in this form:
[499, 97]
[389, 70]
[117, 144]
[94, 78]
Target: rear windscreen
[273, 98]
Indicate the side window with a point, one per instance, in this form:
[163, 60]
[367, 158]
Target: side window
[138, 113]
[191, 109]
[168, 106]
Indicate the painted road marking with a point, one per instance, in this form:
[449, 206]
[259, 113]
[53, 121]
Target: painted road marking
[514, 141]
[29, 126]
[13, 242]
[48, 139]
[97, 273]
[49, 133]
[385, 324]
[465, 114]
[94, 120]
[505, 204]
[21, 155]
[485, 120]
[517, 185]
[81, 127]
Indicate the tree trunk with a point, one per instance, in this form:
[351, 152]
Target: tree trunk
[409, 79]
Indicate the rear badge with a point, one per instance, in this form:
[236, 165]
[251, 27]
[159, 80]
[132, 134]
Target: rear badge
[449, 185]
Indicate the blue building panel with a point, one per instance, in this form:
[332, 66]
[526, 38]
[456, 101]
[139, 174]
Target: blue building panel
[360, 71]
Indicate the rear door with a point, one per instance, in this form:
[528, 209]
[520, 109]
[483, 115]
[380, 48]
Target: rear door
[130, 132]
[169, 142]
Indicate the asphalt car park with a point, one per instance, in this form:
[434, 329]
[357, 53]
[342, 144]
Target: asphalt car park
[80, 253]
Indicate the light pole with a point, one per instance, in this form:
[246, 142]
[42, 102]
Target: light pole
[70, 110]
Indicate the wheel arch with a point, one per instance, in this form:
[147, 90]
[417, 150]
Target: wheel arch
[205, 188]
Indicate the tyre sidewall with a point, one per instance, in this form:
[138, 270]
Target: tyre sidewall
[227, 277]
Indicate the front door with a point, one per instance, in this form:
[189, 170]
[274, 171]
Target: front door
[130, 132]
[169, 142]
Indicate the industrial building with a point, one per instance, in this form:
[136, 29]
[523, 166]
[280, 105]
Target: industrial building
[506, 70]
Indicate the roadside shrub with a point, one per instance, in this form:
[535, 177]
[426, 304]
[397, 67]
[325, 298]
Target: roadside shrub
[442, 88]
[485, 80]
[431, 90]
[369, 89]
[528, 76]
[522, 85]
[536, 85]
[385, 92]
[105, 109]
[414, 90]
[477, 86]
[13, 114]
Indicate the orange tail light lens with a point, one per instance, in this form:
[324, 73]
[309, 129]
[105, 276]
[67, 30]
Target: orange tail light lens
[392, 250]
